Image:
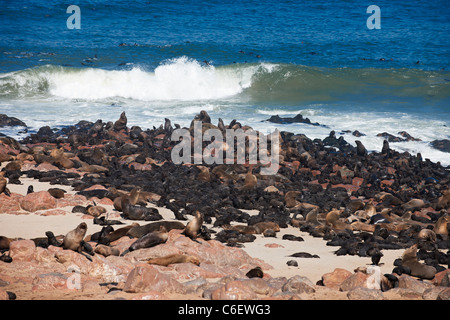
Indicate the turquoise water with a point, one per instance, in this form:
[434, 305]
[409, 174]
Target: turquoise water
[236, 59]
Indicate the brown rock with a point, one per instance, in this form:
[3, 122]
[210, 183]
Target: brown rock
[144, 278]
[35, 201]
[444, 295]
[408, 282]
[334, 279]
[3, 295]
[442, 278]
[234, 290]
[357, 279]
[50, 281]
[9, 204]
[359, 293]
[22, 250]
[299, 285]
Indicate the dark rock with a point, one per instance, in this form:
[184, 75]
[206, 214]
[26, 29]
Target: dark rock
[6, 121]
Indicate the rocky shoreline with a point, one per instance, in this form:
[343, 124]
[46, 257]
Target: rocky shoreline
[359, 203]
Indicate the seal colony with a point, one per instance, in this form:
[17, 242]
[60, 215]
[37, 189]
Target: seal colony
[361, 203]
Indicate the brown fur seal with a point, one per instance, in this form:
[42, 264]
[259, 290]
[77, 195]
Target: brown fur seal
[150, 239]
[121, 123]
[255, 273]
[240, 228]
[106, 250]
[3, 183]
[4, 243]
[139, 231]
[250, 180]
[56, 193]
[204, 174]
[174, 258]
[311, 217]
[73, 239]
[441, 226]
[360, 149]
[137, 212]
[193, 227]
[121, 232]
[289, 198]
[409, 259]
[95, 211]
[260, 227]
[444, 200]
[332, 219]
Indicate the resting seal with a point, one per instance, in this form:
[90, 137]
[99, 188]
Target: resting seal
[150, 239]
[106, 250]
[409, 260]
[174, 258]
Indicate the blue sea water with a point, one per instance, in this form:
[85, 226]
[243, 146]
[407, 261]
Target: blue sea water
[244, 60]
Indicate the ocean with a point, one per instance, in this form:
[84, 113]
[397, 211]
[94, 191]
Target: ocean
[244, 60]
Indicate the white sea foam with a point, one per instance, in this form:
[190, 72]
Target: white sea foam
[180, 79]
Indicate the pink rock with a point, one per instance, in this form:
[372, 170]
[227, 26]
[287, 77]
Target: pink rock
[50, 281]
[45, 166]
[22, 250]
[9, 204]
[3, 295]
[53, 212]
[335, 278]
[273, 245]
[145, 278]
[358, 279]
[71, 200]
[298, 284]
[35, 201]
[151, 295]
[234, 290]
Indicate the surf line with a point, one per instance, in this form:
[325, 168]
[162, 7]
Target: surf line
[256, 148]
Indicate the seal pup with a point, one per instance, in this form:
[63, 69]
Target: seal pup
[193, 227]
[174, 258]
[255, 273]
[409, 260]
[150, 240]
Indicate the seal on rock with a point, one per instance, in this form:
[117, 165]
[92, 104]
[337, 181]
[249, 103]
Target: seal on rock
[150, 239]
[193, 227]
[174, 258]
